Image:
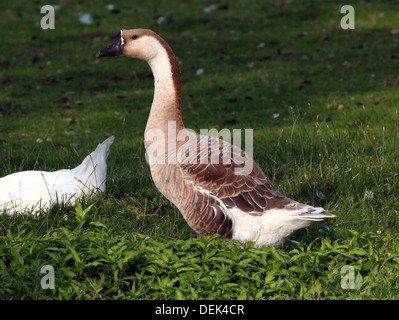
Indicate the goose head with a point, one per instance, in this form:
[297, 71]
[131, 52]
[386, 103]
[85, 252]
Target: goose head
[146, 45]
[141, 44]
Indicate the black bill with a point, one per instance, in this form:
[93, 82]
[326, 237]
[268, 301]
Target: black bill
[113, 49]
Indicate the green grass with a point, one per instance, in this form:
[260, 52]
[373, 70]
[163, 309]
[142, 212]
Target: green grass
[91, 261]
[336, 140]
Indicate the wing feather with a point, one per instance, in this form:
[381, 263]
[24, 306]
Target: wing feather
[221, 188]
[209, 192]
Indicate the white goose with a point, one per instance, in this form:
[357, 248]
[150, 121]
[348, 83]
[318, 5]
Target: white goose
[214, 197]
[34, 191]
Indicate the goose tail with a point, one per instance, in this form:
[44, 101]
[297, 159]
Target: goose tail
[102, 150]
[95, 162]
[310, 213]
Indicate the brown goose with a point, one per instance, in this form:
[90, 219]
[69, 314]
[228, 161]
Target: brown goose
[233, 198]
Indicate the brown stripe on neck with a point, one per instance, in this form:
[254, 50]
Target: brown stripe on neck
[175, 69]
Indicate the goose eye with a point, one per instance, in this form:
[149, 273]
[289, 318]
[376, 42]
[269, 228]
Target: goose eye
[134, 37]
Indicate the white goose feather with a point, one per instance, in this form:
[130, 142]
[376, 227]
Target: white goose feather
[34, 191]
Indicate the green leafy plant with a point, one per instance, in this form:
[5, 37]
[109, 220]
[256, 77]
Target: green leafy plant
[80, 213]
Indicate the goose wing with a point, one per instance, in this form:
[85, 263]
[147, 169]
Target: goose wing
[224, 177]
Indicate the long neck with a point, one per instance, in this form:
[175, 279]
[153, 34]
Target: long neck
[166, 105]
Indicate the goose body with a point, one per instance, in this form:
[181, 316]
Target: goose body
[213, 196]
[33, 191]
